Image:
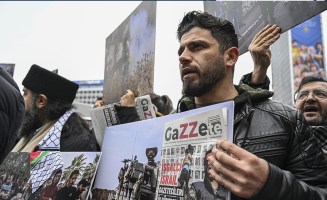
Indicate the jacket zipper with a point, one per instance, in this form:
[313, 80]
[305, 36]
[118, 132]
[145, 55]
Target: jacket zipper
[264, 139]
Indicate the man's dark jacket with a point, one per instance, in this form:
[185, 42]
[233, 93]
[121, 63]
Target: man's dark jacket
[203, 190]
[77, 136]
[319, 131]
[12, 111]
[279, 134]
[67, 193]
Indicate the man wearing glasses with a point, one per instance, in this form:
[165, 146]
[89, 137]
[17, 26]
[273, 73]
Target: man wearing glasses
[310, 97]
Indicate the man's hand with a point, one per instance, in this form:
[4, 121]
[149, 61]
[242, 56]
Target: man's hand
[260, 52]
[128, 100]
[242, 173]
[98, 103]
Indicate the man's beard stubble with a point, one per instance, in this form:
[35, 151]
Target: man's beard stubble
[210, 76]
[319, 121]
[31, 122]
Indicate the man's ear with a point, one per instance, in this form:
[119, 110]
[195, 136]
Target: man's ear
[41, 101]
[231, 56]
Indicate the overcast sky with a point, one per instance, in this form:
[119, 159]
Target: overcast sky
[70, 36]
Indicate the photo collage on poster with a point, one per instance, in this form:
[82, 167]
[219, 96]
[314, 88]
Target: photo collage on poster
[48, 175]
[177, 155]
[308, 50]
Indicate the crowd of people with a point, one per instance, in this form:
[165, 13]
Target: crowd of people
[277, 149]
[56, 188]
[13, 188]
[307, 60]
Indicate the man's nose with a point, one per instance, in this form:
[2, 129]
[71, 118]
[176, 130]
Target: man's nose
[311, 97]
[185, 58]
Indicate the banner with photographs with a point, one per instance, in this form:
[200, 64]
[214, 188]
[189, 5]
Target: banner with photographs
[129, 57]
[249, 17]
[131, 156]
[307, 50]
[62, 175]
[14, 175]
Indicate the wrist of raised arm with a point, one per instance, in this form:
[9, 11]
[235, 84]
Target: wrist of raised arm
[247, 79]
[259, 76]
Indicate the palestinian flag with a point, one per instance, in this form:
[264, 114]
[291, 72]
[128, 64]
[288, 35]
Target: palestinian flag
[42, 164]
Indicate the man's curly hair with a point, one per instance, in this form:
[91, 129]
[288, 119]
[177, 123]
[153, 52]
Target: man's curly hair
[222, 30]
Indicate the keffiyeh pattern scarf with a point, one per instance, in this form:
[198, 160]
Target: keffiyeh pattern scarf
[51, 142]
[42, 165]
[321, 135]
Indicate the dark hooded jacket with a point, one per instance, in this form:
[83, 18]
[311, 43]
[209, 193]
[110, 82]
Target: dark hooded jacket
[12, 110]
[279, 134]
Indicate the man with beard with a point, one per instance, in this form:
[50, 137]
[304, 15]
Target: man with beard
[50, 123]
[310, 97]
[52, 190]
[275, 153]
[82, 187]
[11, 113]
[69, 192]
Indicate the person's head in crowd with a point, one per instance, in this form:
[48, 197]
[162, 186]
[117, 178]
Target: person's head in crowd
[72, 178]
[311, 99]
[9, 178]
[18, 196]
[23, 182]
[47, 97]
[303, 48]
[83, 184]
[48, 182]
[313, 68]
[151, 153]
[56, 176]
[299, 60]
[163, 103]
[311, 50]
[305, 72]
[294, 43]
[60, 186]
[308, 59]
[319, 47]
[214, 65]
[98, 102]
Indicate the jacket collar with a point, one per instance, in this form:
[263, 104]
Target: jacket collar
[246, 94]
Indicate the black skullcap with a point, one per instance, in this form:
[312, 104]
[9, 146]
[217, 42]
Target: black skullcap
[42, 81]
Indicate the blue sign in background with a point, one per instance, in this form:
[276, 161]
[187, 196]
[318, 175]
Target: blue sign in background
[308, 32]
